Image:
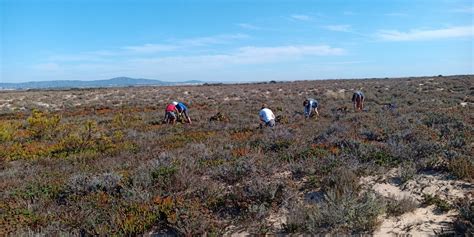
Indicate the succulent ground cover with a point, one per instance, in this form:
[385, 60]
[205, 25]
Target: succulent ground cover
[99, 161]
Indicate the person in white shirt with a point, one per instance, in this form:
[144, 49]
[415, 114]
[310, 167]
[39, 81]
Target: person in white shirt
[266, 116]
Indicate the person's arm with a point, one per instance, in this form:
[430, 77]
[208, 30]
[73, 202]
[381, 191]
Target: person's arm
[316, 111]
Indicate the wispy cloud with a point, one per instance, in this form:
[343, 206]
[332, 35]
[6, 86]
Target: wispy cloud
[282, 53]
[46, 67]
[180, 65]
[151, 48]
[396, 14]
[420, 35]
[248, 26]
[218, 39]
[469, 9]
[301, 17]
[340, 28]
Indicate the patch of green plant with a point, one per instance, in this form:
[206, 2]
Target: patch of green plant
[397, 207]
[313, 153]
[441, 205]
[380, 157]
[42, 125]
[279, 145]
[163, 175]
[462, 167]
[7, 130]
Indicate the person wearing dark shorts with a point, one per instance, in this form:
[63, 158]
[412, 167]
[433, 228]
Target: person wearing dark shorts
[358, 100]
[310, 106]
[183, 109]
[170, 114]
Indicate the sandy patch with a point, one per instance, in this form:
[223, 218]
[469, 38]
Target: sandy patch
[335, 94]
[42, 104]
[423, 220]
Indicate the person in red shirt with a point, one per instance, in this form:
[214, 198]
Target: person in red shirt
[170, 114]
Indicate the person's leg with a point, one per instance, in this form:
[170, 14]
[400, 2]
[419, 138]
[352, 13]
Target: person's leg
[167, 118]
[316, 111]
[185, 112]
[175, 118]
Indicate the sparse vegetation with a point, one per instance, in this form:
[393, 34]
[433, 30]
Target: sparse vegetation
[99, 162]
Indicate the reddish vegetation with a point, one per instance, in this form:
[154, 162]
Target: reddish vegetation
[100, 162]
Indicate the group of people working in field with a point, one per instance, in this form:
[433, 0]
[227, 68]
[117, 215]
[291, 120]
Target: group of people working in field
[177, 110]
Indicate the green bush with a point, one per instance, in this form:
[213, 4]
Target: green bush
[42, 125]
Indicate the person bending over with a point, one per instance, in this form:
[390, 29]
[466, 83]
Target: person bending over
[266, 116]
[183, 110]
[310, 106]
[170, 114]
[358, 100]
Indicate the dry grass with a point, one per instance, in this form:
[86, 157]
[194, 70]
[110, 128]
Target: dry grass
[100, 162]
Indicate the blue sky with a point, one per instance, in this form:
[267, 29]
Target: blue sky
[234, 40]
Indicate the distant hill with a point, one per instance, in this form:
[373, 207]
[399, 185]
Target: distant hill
[114, 82]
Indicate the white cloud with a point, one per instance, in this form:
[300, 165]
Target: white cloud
[282, 53]
[419, 35]
[301, 17]
[151, 48]
[182, 66]
[218, 39]
[464, 10]
[137, 50]
[248, 26]
[246, 55]
[349, 13]
[396, 14]
[340, 28]
[47, 67]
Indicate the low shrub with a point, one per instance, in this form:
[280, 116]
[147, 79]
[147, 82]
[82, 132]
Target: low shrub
[464, 223]
[441, 205]
[397, 207]
[42, 125]
[462, 168]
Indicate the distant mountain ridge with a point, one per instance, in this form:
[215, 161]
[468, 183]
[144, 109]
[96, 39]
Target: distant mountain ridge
[113, 82]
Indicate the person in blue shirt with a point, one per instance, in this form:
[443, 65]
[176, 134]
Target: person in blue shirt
[310, 105]
[183, 110]
[358, 100]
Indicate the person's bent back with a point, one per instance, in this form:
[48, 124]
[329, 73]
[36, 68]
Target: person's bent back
[267, 116]
[170, 113]
[358, 100]
[182, 109]
[310, 106]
